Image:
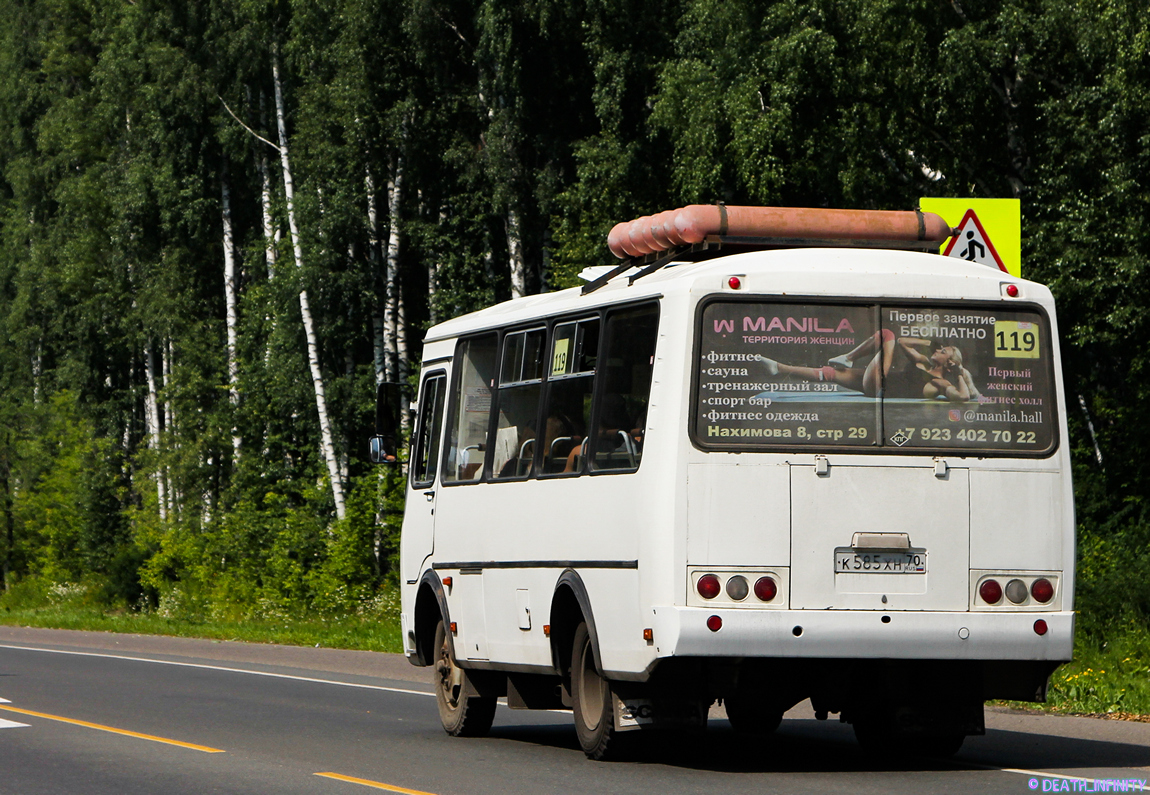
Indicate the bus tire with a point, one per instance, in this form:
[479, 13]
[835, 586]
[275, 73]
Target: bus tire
[752, 716]
[591, 700]
[462, 711]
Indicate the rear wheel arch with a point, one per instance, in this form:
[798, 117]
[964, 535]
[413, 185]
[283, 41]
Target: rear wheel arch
[570, 606]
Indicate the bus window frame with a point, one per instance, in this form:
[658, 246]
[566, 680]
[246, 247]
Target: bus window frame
[599, 313]
[880, 303]
[601, 384]
[489, 475]
[434, 466]
[453, 403]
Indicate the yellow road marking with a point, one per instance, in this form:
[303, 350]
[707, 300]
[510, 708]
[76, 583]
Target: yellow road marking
[124, 732]
[369, 783]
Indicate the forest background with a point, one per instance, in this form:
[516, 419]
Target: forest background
[222, 223]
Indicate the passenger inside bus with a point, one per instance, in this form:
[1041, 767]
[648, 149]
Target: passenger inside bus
[618, 439]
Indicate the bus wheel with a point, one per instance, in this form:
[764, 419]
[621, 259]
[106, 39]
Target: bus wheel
[462, 711]
[591, 701]
[749, 715]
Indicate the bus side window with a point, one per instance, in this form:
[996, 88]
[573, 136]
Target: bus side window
[470, 410]
[425, 448]
[625, 371]
[520, 384]
[570, 384]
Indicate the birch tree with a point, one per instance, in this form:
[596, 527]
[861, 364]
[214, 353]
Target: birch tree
[326, 442]
[230, 303]
[271, 230]
[378, 303]
[152, 419]
[392, 301]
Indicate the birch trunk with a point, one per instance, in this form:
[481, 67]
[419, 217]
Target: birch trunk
[152, 423]
[166, 370]
[207, 495]
[433, 279]
[404, 362]
[230, 304]
[37, 369]
[432, 276]
[391, 316]
[401, 335]
[175, 497]
[326, 443]
[515, 255]
[379, 347]
[378, 311]
[271, 231]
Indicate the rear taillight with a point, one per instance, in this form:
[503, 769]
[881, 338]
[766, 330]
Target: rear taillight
[1042, 590]
[990, 591]
[1040, 627]
[714, 623]
[708, 586]
[766, 589]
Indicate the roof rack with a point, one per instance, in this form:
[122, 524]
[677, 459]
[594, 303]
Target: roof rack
[652, 242]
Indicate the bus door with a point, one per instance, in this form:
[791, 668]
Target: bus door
[418, 539]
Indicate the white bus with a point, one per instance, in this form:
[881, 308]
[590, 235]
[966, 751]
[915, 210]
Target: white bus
[776, 455]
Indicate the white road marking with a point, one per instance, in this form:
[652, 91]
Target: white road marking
[4, 701]
[1042, 775]
[222, 668]
[502, 702]
[11, 724]
[1034, 773]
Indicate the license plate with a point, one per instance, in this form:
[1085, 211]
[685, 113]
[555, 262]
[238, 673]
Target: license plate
[849, 560]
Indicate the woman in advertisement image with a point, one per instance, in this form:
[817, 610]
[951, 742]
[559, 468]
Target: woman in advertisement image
[909, 367]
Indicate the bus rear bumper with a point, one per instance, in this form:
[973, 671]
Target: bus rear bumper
[684, 632]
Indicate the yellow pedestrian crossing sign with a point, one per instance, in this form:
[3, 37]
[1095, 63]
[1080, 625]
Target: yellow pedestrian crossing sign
[989, 230]
[972, 244]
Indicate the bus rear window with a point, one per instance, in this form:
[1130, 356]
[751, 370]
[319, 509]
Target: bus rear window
[874, 376]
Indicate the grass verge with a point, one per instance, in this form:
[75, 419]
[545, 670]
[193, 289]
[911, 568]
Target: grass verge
[339, 632]
[1110, 678]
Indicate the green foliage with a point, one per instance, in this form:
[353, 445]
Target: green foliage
[51, 502]
[1111, 677]
[67, 489]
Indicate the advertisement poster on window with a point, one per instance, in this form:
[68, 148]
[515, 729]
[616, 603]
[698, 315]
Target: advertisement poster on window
[874, 376]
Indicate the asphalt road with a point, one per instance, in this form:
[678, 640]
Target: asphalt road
[90, 713]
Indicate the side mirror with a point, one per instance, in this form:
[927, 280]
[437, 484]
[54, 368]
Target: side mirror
[383, 447]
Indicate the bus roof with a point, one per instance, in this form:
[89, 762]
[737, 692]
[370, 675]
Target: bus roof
[784, 271]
